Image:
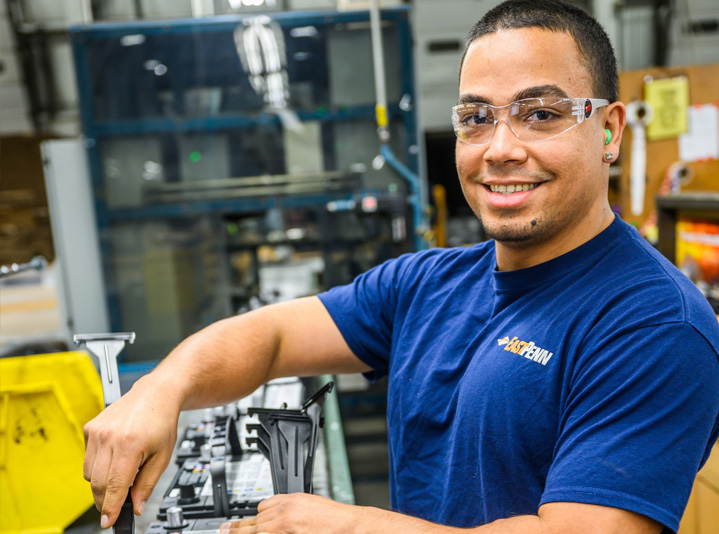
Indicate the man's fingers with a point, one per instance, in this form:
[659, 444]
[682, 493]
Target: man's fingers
[146, 480]
[246, 529]
[89, 461]
[98, 473]
[233, 525]
[119, 479]
[243, 526]
[269, 503]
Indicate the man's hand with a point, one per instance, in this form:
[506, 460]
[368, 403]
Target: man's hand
[298, 513]
[131, 440]
[302, 513]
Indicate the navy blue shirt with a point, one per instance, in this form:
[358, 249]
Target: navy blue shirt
[592, 378]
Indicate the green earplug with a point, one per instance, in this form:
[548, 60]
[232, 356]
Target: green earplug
[609, 136]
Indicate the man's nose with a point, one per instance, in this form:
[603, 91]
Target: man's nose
[504, 146]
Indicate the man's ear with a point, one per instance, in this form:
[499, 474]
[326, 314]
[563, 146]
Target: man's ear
[615, 121]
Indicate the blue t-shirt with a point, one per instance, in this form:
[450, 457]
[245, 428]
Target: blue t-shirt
[591, 378]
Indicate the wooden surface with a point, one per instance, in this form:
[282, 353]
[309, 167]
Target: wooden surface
[703, 89]
[24, 219]
[702, 513]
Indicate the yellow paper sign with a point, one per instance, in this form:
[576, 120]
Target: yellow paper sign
[669, 99]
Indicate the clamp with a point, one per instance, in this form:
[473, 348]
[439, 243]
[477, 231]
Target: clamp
[106, 347]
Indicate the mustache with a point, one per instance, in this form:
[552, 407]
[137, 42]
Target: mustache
[502, 171]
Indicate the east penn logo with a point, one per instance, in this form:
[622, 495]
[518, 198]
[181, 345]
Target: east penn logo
[526, 348]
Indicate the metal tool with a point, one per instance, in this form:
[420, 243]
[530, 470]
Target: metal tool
[224, 444]
[288, 439]
[106, 347]
[175, 519]
[38, 263]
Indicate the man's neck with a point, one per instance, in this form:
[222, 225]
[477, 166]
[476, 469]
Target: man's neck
[513, 256]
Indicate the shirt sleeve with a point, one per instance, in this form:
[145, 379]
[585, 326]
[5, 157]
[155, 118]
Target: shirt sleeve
[638, 423]
[365, 310]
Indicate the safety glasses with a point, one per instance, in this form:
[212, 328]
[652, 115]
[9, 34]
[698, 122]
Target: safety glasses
[531, 119]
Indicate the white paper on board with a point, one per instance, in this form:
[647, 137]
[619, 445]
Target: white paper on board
[701, 142]
[639, 115]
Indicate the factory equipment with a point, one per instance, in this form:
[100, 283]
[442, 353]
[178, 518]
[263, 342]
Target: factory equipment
[219, 478]
[243, 453]
[106, 347]
[210, 141]
[38, 263]
[80, 285]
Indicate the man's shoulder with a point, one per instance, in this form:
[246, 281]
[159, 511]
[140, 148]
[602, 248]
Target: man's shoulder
[641, 288]
[637, 265]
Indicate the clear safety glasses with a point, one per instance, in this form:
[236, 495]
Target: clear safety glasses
[530, 119]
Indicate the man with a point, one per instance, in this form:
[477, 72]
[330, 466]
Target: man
[562, 378]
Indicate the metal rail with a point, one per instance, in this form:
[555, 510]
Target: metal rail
[38, 263]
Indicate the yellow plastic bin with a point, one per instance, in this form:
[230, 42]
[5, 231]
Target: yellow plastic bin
[44, 402]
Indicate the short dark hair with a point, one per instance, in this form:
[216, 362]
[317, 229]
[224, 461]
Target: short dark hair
[595, 49]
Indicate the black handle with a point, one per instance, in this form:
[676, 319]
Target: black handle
[125, 523]
[220, 497]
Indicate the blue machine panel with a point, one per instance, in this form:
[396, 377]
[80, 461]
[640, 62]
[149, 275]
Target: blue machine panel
[195, 126]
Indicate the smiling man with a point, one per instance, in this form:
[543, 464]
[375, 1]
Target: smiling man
[539, 139]
[560, 378]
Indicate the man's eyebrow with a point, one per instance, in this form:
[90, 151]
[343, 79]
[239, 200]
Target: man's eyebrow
[540, 91]
[469, 98]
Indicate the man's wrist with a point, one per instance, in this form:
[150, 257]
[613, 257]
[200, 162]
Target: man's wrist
[370, 520]
[167, 389]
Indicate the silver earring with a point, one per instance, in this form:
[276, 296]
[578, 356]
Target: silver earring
[608, 156]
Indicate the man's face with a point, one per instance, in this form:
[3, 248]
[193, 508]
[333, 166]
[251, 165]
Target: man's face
[566, 172]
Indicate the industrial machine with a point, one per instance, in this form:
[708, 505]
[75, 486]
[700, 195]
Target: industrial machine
[224, 479]
[223, 150]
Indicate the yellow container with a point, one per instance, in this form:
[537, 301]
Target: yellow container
[44, 402]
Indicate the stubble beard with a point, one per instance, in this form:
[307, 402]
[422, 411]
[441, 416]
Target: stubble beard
[510, 232]
[505, 229]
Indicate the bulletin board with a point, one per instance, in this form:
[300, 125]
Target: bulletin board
[661, 154]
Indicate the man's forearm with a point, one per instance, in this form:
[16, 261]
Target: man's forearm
[233, 357]
[552, 518]
[301, 513]
[222, 362]
[378, 521]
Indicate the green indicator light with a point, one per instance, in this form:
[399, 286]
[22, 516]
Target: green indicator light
[195, 157]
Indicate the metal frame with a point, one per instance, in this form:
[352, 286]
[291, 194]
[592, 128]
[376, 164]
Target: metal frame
[69, 196]
[95, 130]
[33, 51]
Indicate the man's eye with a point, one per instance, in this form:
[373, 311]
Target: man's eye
[541, 115]
[475, 119]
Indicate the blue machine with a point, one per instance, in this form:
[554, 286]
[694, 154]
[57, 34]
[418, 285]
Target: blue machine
[199, 132]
